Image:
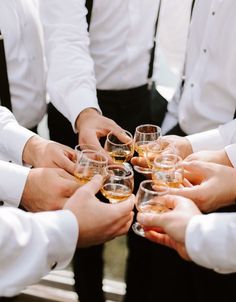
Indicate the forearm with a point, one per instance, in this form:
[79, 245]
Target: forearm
[211, 241]
[13, 137]
[71, 79]
[12, 183]
[31, 244]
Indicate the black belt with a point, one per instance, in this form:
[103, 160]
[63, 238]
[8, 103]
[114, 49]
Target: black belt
[123, 93]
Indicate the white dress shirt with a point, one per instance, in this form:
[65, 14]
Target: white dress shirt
[32, 244]
[21, 29]
[209, 95]
[211, 241]
[117, 55]
[13, 138]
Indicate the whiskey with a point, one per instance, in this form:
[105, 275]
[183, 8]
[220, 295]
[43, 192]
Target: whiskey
[119, 156]
[116, 193]
[153, 208]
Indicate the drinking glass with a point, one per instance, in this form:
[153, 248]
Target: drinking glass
[89, 163]
[153, 149]
[148, 200]
[118, 184]
[144, 134]
[168, 170]
[119, 146]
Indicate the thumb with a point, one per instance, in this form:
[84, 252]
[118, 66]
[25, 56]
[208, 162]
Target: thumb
[94, 185]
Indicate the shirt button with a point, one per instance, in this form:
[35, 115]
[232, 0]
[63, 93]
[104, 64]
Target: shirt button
[54, 265]
[191, 85]
[1, 203]
[204, 50]
[213, 13]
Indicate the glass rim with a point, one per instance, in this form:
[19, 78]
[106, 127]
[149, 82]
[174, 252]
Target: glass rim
[148, 125]
[105, 161]
[164, 191]
[89, 145]
[124, 168]
[176, 162]
[122, 144]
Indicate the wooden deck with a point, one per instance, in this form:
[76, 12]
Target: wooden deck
[58, 287]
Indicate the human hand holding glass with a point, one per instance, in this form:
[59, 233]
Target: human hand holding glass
[148, 200]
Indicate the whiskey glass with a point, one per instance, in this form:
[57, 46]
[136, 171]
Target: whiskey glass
[118, 183]
[148, 200]
[119, 146]
[168, 170]
[144, 134]
[89, 163]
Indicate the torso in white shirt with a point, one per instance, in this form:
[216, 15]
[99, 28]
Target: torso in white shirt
[209, 97]
[20, 25]
[124, 31]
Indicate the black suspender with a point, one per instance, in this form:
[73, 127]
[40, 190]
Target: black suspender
[4, 83]
[89, 6]
[152, 57]
[192, 7]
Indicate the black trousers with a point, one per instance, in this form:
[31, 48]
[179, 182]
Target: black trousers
[177, 280]
[129, 108]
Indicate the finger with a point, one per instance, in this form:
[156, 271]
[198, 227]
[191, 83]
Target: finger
[187, 192]
[151, 220]
[187, 183]
[91, 138]
[159, 238]
[125, 207]
[139, 161]
[68, 165]
[94, 185]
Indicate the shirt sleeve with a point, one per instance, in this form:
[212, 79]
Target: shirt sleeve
[12, 182]
[214, 139]
[71, 80]
[32, 244]
[211, 241]
[13, 137]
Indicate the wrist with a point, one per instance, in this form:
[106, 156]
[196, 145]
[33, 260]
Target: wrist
[31, 152]
[88, 112]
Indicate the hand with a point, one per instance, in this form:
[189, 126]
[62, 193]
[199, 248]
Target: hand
[218, 157]
[98, 221]
[39, 153]
[173, 223]
[91, 126]
[214, 185]
[181, 144]
[47, 189]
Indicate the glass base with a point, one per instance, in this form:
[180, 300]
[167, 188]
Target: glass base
[142, 170]
[138, 229]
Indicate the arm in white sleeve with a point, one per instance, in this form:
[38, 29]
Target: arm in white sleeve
[214, 139]
[71, 80]
[32, 244]
[13, 137]
[211, 241]
[12, 183]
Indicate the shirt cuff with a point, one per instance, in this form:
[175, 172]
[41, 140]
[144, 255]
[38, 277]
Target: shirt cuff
[231, 152]
[207, 140]
[63, 233]
[15, 137]
[76, 105]
[12, 183]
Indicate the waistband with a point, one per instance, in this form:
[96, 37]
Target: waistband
[124, 93]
